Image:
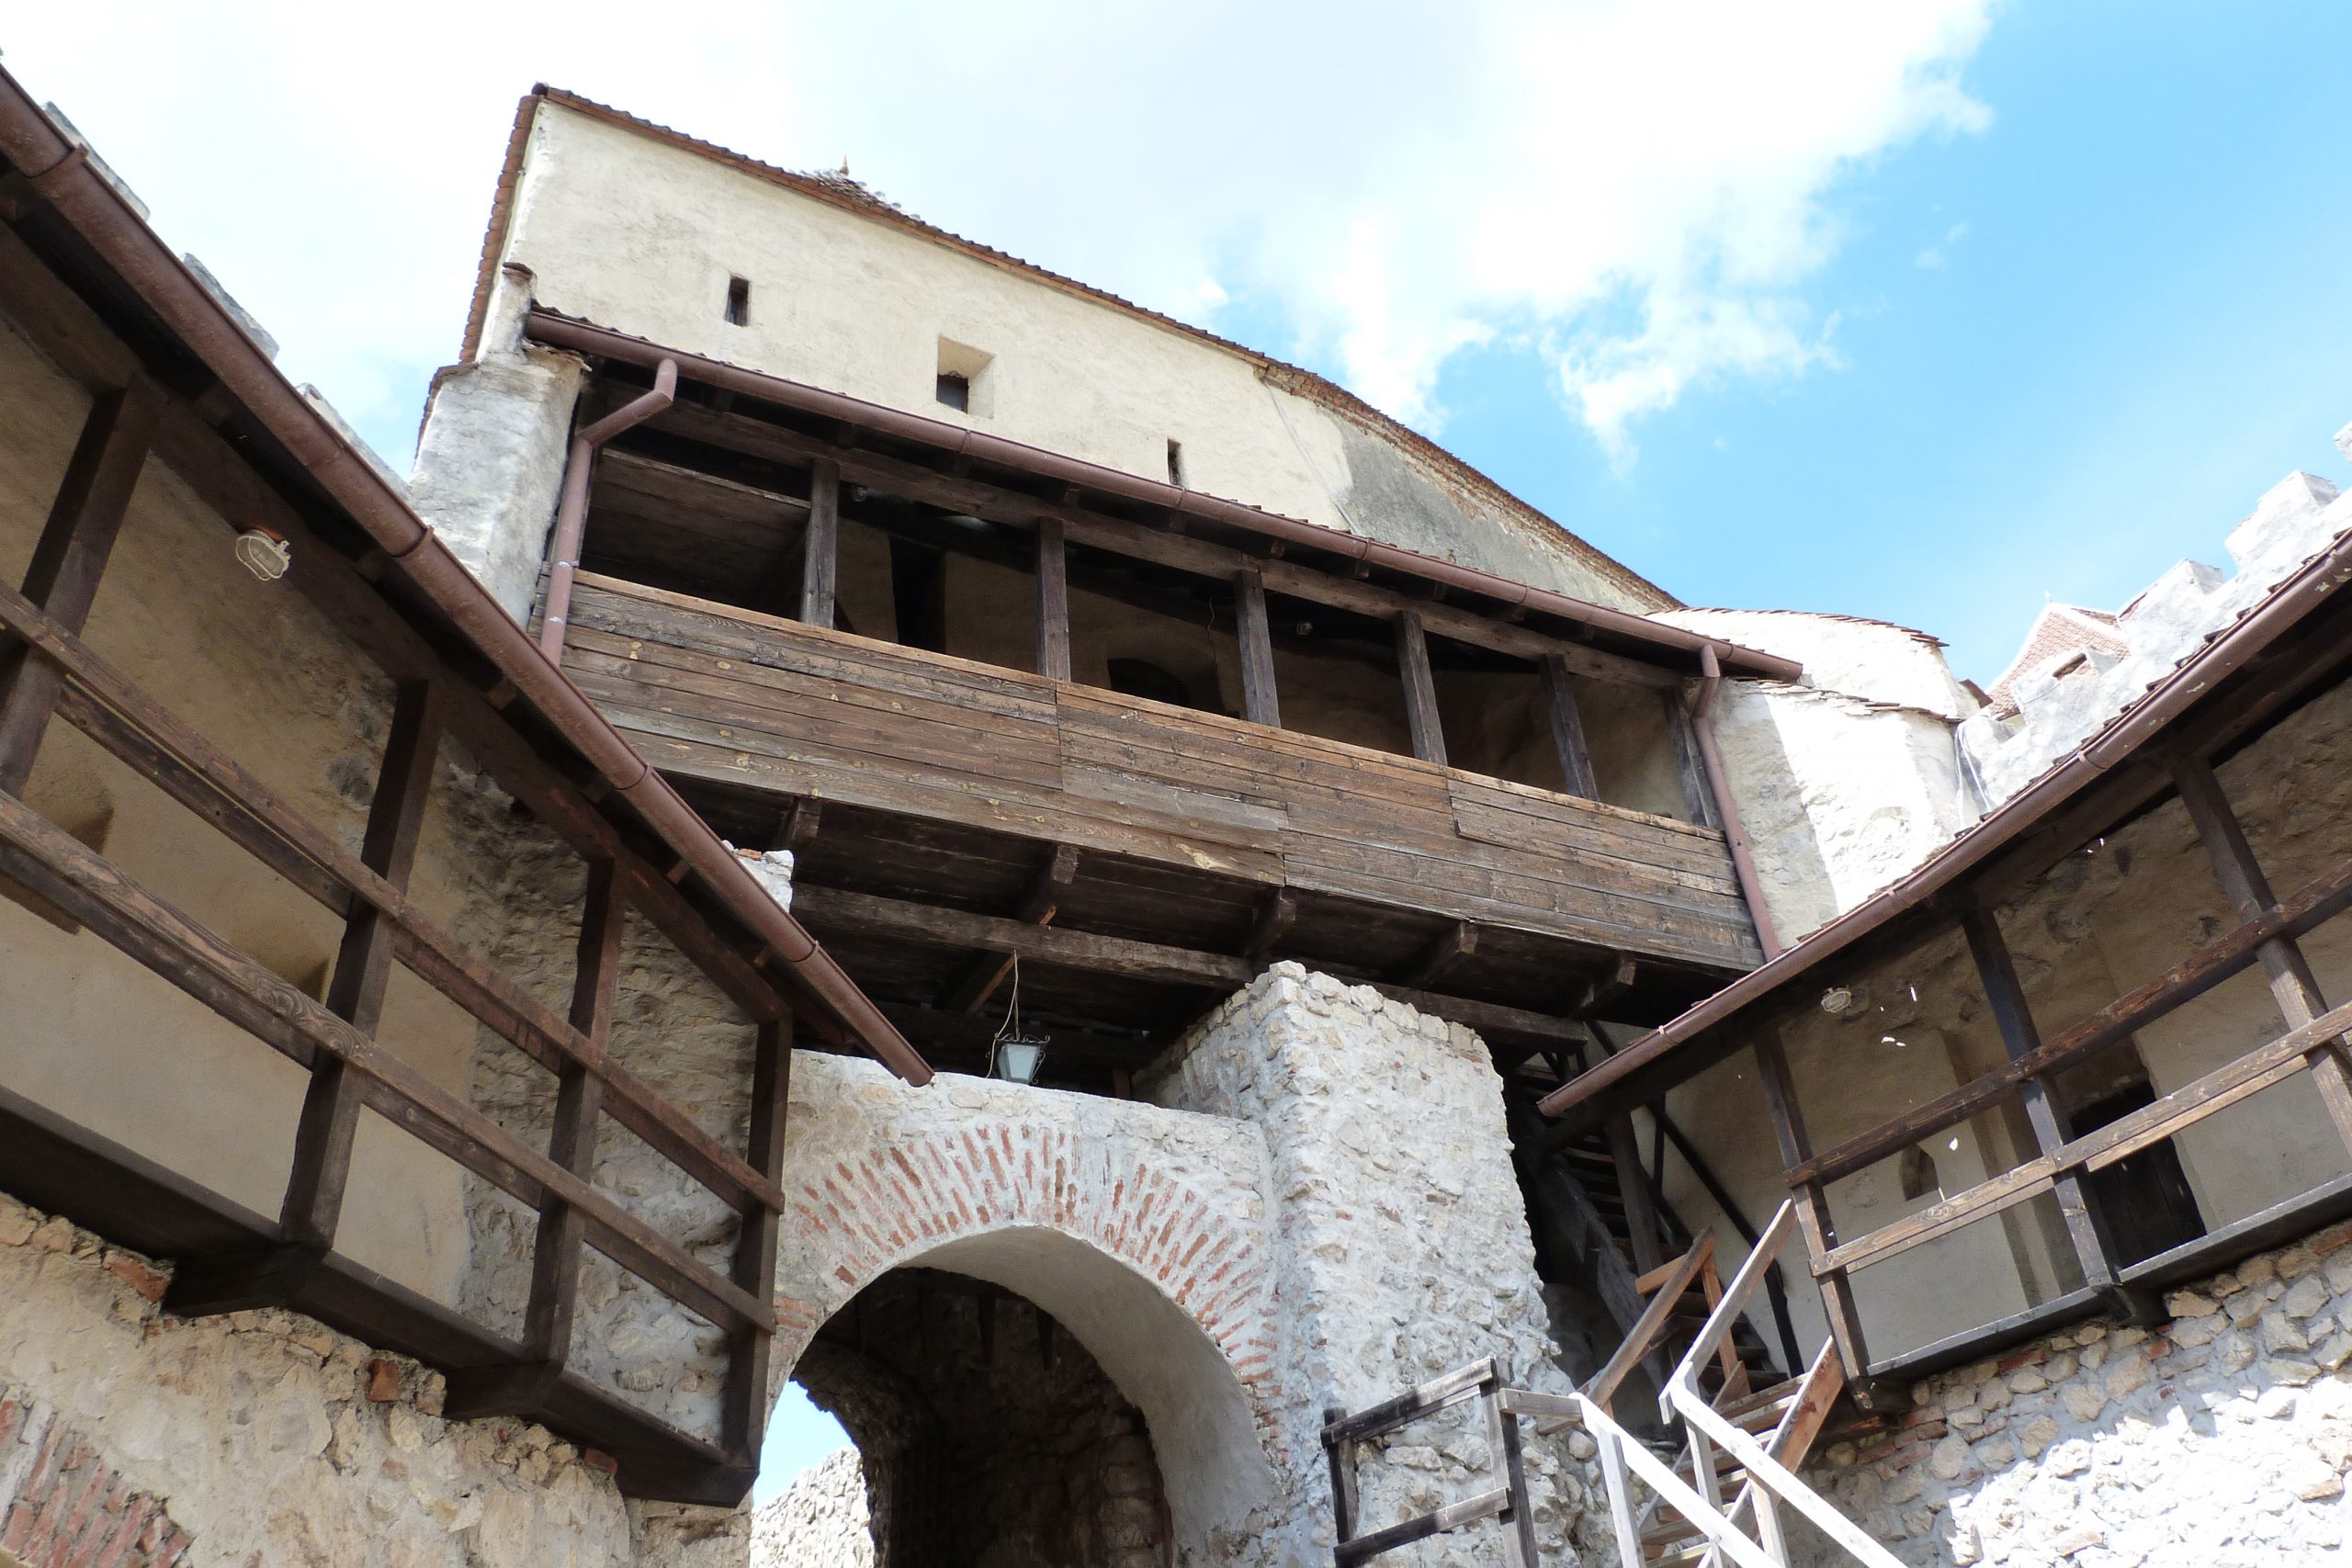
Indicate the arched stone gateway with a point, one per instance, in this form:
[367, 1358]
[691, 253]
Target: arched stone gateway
[1139, 1230]
[1316, 1206]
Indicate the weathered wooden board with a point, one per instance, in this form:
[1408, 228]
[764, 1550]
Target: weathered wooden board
[769, 703]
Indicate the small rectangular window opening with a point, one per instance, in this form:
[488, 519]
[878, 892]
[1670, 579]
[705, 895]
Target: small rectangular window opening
[739, 301]
[955, 390]
[1176, 463]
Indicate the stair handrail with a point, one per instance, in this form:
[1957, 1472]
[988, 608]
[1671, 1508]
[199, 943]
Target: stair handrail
[1652, 1326]
[1620, 1450]
[1685, 1398]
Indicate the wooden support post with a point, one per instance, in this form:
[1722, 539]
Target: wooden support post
[1430, 966]
[1053, 601]
[1813, 1217]
[1510, 1469]
[1276, 918]
[2293, 984]
[1341, 1456]
[2086, 1227]
[1421, 689]
[555, 1247]
[68, 559]
[1567, 729]
[363, 968]
[1259, 703]
[743, 1417]
[1633, 1188]
[1696, 794]
[820, 547]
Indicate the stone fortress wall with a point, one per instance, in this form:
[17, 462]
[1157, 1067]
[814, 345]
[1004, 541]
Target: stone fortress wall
[2220, 1440]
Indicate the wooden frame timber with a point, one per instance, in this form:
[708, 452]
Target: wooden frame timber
[85, 280]
[2288, 651]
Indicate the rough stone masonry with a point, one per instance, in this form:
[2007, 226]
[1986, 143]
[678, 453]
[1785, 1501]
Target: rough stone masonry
[2219, 1440]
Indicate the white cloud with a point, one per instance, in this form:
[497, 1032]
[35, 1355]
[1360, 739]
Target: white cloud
[1644, 188]
[1933, 257]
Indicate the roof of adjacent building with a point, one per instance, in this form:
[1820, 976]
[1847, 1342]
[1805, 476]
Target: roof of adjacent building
[2060, 629]
[853, 196]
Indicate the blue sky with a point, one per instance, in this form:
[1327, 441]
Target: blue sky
[1920, 310]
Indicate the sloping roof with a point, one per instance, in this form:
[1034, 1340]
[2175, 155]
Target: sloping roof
[2059, 629]
[853, 196]
[2225, 649]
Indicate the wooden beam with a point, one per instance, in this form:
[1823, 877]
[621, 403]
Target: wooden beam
[1605, 988]
[2293, 985]
[1813, 1214]
[555, 1256]
[1053, 601]
[69, 557]
[239, 989]
[2126, 1135]
[866, 914]
[1697, 798]
[363, 968]
[970, 991]
[1260, 702]
[743, 1408]
[1634, 1188]
[820, 544]
[163, 749]
[803, 819]
[510, 1390]
[1421, 689]
[1454, 944]
[997, 503]
[2087, 1226]
[1567, 729]
[1275, 917]
[2310, 906]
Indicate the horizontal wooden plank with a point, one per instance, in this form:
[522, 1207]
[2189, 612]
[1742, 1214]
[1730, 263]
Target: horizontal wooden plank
[2126, 1135]
[44, 857]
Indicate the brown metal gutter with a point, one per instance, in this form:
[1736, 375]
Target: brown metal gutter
[581, 337]
[571, 512]
[61, 173]
[1743, 864]
[2165, 702]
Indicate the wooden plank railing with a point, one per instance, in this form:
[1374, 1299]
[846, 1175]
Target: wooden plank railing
[350, 1069]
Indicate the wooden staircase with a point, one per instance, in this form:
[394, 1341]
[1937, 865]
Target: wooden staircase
[1585, 1180]
[1785, 1418]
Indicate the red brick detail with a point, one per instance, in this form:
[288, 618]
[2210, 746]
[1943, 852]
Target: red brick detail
[889, 1205]
[61, 1506]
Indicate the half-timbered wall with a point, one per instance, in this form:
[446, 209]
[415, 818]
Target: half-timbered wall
[85, 1030]
[1904, 1030]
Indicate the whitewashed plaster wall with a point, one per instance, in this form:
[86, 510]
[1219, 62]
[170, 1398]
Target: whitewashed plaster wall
[1848, 780]
[99, 1039]
[642, 236]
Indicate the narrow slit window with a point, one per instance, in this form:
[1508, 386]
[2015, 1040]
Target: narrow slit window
[739, 301]
[955, 390]
[1176, 464]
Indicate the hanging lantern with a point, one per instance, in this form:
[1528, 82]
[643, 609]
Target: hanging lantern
[1015, 1053]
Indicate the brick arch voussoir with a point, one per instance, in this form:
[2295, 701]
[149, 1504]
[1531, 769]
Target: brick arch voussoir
[893, 1202]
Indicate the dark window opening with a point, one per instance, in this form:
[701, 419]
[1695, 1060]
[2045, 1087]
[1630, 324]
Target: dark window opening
[1141, 678]
[1176, 464]
[1916, 1172]
[739, 301]
[2145, 1197]
[956, 391]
